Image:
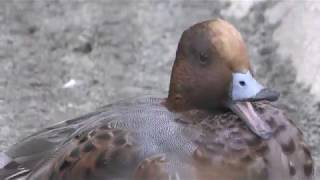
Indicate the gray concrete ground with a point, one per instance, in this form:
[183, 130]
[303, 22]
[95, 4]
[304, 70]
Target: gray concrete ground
[62, 58]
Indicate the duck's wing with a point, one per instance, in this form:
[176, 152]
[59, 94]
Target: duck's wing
[236, 153]
[116, 142]
[41, 146]
[26, 155]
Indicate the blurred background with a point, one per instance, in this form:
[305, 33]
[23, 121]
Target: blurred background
[63, 58]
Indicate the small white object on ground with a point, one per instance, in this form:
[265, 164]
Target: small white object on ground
[70, 84]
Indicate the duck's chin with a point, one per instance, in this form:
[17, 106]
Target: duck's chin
[248, 114]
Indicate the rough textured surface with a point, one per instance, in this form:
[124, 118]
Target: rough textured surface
[63, 58]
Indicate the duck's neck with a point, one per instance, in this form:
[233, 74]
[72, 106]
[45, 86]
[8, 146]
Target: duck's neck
[177, 98]
[183, 96]
[176, 102]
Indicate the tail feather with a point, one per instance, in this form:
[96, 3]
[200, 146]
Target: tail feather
[10, 169]
[4, 160]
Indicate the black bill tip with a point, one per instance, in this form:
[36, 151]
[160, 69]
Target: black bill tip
[265, 94]
[268, 94]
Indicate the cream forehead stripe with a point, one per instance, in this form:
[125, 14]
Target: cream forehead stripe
[229, 44]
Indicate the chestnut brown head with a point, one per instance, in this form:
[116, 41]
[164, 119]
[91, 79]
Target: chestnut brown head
[212, 70]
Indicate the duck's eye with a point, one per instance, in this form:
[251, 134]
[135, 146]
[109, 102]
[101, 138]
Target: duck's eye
[203, 58]
[242, 83]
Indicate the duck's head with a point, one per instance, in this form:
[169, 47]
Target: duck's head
[212, 71]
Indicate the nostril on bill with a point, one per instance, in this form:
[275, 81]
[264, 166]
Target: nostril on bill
[242, 83]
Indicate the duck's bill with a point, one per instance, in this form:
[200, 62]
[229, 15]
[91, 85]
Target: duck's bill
[264, 94]
[246, 88]
[247, 113]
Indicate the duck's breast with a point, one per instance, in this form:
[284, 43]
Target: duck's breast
[228, 150]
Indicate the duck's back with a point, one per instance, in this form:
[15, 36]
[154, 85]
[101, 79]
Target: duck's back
[142, 140]
[108, 144]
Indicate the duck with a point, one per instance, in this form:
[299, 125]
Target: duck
[217, 123]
